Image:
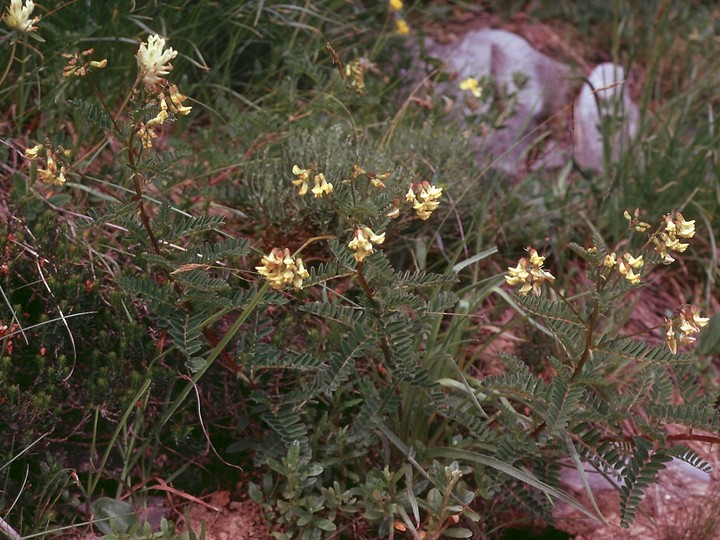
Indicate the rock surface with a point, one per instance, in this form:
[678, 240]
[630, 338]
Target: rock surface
[501, 55]
[604, 102]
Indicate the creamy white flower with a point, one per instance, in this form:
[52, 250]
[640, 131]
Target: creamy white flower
[153, 62]
[18, 18]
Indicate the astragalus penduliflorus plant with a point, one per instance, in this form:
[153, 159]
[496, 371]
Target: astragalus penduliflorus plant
[612, 395]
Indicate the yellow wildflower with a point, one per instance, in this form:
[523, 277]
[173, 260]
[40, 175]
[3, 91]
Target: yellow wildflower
[635, 262]
[79, 66]
[675, 228]
[529, 273]
[146, 135]
[610, 260]
[32, 153]
[626, 270]
[302, 180]
[471, 85]
[280, 269]
[322, 186]
[357, 171]
[397, 5]
[355, 73]
[18, 17]
[424, 198]
[176, 99]
[682, 228]
[377, 179]
[689, 322]
[362, 242]
[635, 223]
[51, 173]
[670, 336]
[159, 118]
[401, 27]
[153, 62]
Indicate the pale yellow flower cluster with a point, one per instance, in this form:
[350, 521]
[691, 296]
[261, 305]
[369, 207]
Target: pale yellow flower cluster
[471, 85]
[280, 269]
[79, 65]
[355, 73]
[401, 25]
[626, 266]
[635, 223]
[529, 273]
[18, 16]
[376, 180]
[683, 327]
[173, 104]
[51, 174]
[320, 184]
[676, 228]
[424, 197]
[154, 62]
[362, 242]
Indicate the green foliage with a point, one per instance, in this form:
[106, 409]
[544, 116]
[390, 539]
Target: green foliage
[141, 310]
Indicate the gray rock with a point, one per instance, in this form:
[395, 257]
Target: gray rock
[604, 103]
[500, 55]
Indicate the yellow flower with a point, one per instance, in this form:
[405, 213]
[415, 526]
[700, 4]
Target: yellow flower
[322, 186]
[78, 64]
[684, 229]
[280, 269]
[394, 212]
[176, 99]
[627, 272]
[377, 179]
[610, 260]
[32, 153]
[401, 27]
[635, 262]
[471, 85]
[397, 5]
[697, 319]
[153, 62]
[518, 274]
[18, 18]
[639, 226]
[60, 178]
[670, 336]
[362, 242]
[302, 180]
[675, 228]
[357, 171]
[159, 118]
[147, 136]
[535, 259]
[689, 322]
[424, 198]
[529, 273]
[673, 243]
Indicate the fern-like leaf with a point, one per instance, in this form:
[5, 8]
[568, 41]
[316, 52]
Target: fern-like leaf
[92, 113]
[563, 399]
[626, 348]
[640, 473]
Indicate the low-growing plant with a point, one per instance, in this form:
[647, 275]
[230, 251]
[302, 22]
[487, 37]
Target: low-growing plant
[341, 333]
